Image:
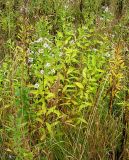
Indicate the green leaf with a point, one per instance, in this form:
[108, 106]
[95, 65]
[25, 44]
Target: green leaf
[43, 110]
[39, 120]
[68, 86]
[81, 120]
[49, 128]
[70, 70]
[79, 85]
[60, 34]
[50, 95]
[84, 72]
[53, 110]
[100, 70]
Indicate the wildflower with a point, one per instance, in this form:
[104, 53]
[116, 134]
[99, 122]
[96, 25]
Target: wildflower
[72, 42]
[107, 54]
[66, 6]
[94, 49]
[113, 35]
[106, 9]
[60, 54]
[30, 60]
[53, 71]
[46, 45]
[36, 85]
[101, 18]
[47, 65]
[30, 52]
[23, 10]
[10, 156]
[41, 50]
[103, 7]
[42, 71]
[39, 40]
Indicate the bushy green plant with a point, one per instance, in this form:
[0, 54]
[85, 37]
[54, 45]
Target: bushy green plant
[64, 83]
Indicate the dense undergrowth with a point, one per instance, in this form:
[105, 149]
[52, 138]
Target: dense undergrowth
[64, 80]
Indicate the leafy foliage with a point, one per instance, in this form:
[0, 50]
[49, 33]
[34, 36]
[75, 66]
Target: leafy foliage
[64, 80]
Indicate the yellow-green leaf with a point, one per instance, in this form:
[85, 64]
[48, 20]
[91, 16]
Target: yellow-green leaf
[49, 128]
[39, 120]
[79, 85]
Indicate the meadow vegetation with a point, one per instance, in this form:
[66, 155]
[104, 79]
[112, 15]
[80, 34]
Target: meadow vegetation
[64, 80]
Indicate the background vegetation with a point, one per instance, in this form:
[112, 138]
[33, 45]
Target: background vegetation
[64, 80]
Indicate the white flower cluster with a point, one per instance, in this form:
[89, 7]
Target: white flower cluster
[113, 35]
[36, 85]
[47, 65]
[30, 60]
[66, 6]
[45, 40]
[101, 18]
[105, 8]
[60, 54]
[53, 71]
[46, 45]
[42, 71]
[94, 49]
[30, 51]
[72, 42]
[38, 40]
[107, 55]
[41, 50]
